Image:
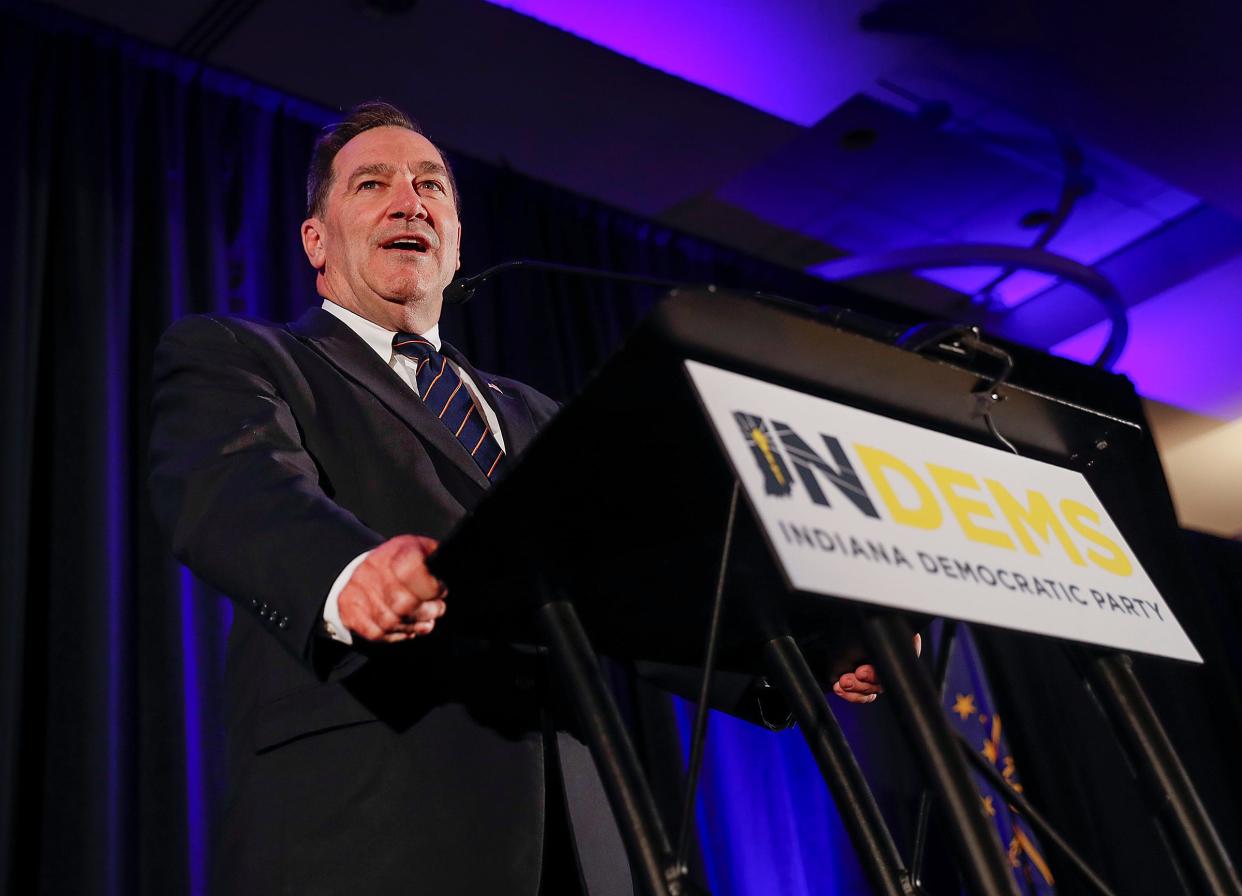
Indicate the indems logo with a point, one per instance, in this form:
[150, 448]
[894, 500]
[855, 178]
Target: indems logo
[928, 496]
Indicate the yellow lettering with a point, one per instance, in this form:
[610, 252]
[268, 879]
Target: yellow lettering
[964, 508]
[1115, 561]
[927, 515]
[1039, 518]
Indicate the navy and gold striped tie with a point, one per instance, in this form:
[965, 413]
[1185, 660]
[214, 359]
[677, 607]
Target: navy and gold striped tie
[446, 396]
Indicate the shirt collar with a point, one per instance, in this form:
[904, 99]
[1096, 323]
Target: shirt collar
[379, 338]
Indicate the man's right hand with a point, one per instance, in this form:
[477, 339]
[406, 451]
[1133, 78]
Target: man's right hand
[392, 596]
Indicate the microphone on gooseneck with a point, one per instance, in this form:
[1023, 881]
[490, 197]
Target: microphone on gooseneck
[461, 291]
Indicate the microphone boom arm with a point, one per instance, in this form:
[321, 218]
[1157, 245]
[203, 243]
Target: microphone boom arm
[461, 291]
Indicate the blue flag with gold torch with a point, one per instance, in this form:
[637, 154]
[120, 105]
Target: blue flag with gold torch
[968, 700]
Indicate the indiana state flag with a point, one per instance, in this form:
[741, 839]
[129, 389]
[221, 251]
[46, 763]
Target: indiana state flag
[968, 701]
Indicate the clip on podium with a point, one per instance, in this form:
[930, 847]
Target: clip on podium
[607, 537]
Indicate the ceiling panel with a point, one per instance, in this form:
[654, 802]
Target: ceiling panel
[780, 195]
[795, 59]
[159, 23]
[1183, 345]
[859, 228]
[939, 185]
[1000, 220]
[510, 90]
[859, 143]
[1174, 253]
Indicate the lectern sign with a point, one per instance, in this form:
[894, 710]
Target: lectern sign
[860, 506]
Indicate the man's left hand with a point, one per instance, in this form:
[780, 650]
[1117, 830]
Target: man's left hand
[863, 685]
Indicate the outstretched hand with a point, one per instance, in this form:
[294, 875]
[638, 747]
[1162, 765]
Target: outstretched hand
[863, 684]
[392, 596]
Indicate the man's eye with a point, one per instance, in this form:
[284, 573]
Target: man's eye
[434, 184]
[369, 185]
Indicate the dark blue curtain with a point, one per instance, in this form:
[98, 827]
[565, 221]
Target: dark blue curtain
[136, 187]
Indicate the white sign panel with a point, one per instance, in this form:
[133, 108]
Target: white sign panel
[859, 506]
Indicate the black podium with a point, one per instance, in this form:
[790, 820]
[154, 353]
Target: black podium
[610, 531]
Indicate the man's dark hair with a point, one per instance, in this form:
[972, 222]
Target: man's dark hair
[362, 117]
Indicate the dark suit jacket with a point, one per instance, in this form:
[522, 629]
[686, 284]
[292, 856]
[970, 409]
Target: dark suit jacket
[278, 454]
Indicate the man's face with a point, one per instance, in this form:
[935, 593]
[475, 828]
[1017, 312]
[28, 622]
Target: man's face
[389, 239]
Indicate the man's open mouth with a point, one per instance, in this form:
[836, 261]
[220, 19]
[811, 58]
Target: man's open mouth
[408, 244]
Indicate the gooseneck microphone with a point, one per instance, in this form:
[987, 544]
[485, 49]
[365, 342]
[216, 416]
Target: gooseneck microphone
[461, 291]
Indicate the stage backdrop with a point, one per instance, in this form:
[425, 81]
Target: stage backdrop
[136, 187]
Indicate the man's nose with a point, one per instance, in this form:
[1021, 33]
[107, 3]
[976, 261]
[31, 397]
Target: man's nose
[406, 203]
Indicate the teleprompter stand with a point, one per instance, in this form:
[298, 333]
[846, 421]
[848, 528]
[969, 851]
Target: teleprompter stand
[609, 531]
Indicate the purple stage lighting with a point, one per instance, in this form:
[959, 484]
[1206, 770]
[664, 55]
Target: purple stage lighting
[767, 55]
[1182, 345]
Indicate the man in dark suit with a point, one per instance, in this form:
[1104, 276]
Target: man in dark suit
[305, 471]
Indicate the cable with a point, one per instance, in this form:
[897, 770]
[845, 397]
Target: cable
[700, 716]
[919, 338]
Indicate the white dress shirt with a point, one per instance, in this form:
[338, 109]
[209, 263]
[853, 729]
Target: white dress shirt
[380, 340]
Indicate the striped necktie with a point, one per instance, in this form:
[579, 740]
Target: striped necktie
[446, 396]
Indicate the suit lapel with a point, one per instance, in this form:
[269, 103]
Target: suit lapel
[516, 423]
[348, 353]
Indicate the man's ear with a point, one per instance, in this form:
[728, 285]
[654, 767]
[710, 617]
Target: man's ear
[312, 243]
[458, 267]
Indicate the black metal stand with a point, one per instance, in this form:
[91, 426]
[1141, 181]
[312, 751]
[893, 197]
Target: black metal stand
[982, 861]
[942, 653]
[1196, 844]
[854, 800]
[651, 857]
